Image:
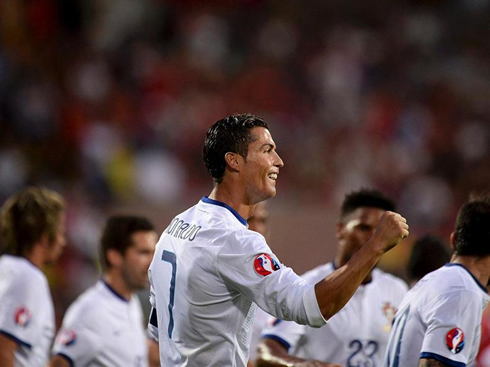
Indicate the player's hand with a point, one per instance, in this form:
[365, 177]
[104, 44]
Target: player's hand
[391, 229]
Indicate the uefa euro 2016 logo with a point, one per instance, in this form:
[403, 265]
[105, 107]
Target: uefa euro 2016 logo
[22, 317]
[265, 264]
[455, 340]
[68, 337]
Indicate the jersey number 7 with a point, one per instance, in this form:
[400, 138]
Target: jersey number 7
[170, 257]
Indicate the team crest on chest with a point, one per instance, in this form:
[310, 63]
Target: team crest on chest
[265, 264]
[455, 340]
[389, 312]
[68, 337]
[22, 317]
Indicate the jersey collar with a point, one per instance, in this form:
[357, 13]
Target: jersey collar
[207, 200]
[469, 272]
[113, 291]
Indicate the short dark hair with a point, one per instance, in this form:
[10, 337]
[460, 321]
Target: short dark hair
[117, 234]
[428, 254]
[366, 198]
[472, 232]
[231, 134]
[27, 216]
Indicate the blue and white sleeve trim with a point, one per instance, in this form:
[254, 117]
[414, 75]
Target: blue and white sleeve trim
[442, 359]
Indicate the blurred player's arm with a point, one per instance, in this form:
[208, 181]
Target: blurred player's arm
[59, 361]
[153, 353]
[271, 353]
[429, 362]
[334, 291]
[7, 349]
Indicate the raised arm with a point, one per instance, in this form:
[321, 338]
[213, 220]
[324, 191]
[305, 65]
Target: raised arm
[271, 353]
[334, 291]
[7, 349]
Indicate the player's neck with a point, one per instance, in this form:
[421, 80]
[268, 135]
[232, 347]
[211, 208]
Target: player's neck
[116, 282]
[234, 198]
[36, 256]
[479, 267]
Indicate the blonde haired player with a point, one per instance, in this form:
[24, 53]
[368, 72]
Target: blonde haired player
[32, 231]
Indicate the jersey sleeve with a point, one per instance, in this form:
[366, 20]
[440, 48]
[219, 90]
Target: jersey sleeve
[81, 336]
[453, 321]
[247, 264]
[21, 309]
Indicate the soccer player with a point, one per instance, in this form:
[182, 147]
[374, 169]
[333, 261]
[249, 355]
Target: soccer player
[358, 334]
[429, 253]
[33, 235]
[104, 326]
[209, 271]
[438, 322]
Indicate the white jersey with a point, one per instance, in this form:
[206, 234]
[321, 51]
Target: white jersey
[101, 328]
[26, 310]
[207, 274]
[439, 318]
[261, 320]
[357, 335]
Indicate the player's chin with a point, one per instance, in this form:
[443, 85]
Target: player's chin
[271, 191]
[144, 283]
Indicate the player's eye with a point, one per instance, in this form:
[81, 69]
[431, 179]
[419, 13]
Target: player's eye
[364, 228]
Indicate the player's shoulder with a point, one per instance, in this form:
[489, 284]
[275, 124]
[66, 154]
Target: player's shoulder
[206, 221]
[316, 274]
[88, 304]
[456, 277]
[241, 240]
[22, 273]
[386, 279]
[135, 305]
[219, 215]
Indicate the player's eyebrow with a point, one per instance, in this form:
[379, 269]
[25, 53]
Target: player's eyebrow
[269, 145]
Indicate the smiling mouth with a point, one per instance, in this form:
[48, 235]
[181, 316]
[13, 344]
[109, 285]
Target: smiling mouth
[272, 176]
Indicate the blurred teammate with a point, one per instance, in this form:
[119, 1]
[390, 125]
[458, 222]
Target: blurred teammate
[259, 222]
[209, 270]
[358, 334]
[32, 231]
[104, 326]
[438, 322]
[428, 254]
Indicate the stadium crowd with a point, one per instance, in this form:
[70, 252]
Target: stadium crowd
[107, 102]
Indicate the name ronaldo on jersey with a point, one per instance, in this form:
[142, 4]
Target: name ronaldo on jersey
[180, 229]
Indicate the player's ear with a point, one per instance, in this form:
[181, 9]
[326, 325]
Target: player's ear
[338, 230]
[114, 258]
[452, 240]
[233, 161]
[44, 241]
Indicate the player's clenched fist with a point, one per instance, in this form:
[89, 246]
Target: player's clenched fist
[391, 229]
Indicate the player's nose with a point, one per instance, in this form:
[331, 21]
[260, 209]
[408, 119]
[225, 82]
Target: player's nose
[278, 162]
